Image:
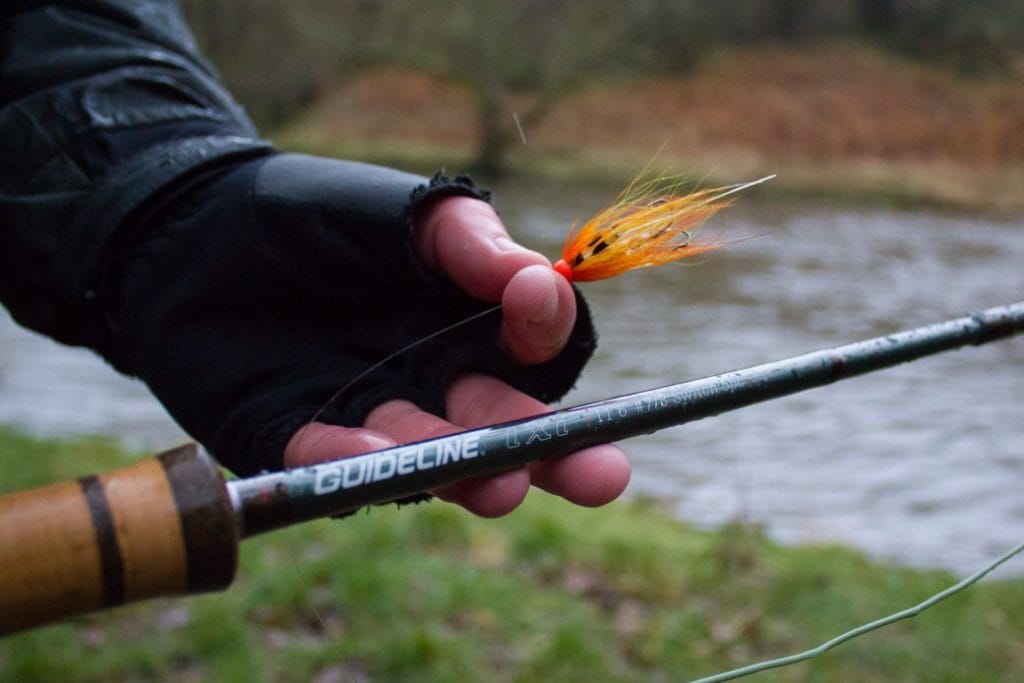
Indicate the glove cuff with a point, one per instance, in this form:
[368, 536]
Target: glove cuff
[440, 187]
[105, 215]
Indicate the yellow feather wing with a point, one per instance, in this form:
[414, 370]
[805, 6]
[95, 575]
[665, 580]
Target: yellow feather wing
[648, 224]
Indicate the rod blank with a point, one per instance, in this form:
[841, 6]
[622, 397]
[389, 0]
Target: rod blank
[171, 525]
[283, 498]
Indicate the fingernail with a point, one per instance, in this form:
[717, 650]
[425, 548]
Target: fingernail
[546, 310]
[377, 443]
[507, 245]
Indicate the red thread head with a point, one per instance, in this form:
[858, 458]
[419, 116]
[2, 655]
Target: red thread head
[563, 269]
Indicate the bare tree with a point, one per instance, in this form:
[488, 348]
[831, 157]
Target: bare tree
[538, 49]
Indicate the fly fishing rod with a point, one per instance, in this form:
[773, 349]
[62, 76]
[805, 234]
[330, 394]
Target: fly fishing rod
[171, 525]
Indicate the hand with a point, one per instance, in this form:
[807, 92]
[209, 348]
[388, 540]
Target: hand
[464, 239]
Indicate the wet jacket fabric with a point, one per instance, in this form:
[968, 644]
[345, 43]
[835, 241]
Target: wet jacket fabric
[142, 216]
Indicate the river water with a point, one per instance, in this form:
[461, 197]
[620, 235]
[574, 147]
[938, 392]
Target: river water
[921, 464]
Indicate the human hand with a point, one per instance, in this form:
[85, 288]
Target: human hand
[464, 239]
[263, 296]
[244, 285]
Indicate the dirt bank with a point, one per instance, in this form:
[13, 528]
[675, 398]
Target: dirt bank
[840, 121]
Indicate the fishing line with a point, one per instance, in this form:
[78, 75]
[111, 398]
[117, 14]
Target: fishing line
[630, 219]
[302, 579]
[307, 592]
[865, 628]
[671, 215]
[408, 347]
[519, 127]
[678, 213]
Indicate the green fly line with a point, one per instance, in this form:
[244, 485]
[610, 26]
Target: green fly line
[861, 630]
[741, 671]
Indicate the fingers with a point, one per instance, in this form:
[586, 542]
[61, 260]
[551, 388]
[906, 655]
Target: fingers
[485, 496]
[593, 476]
[491, 496]
[397, 422]
[318, 442]
[465, 239]
[539, 311]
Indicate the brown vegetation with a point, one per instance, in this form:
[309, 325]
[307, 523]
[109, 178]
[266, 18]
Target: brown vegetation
[399, 105]
[789, 105]
[841, 118]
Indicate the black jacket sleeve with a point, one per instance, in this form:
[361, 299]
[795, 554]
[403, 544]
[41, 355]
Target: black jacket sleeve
[141, 216]
[103, 106]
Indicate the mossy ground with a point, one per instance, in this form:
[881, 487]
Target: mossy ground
[551, 592]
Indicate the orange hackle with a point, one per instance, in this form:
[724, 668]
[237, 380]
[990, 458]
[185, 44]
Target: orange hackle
[649, 224]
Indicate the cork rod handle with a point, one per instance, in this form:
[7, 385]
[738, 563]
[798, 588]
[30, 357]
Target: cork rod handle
[161, 527]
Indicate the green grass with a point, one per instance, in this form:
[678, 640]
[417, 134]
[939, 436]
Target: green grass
[552, 593]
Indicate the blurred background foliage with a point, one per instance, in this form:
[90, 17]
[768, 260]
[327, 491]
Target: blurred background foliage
[280, 57]
[924, 94]
[275, 53]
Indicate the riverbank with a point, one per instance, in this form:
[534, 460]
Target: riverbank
[843, 123]
[551, 592]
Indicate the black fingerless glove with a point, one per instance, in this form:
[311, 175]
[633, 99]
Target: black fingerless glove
[141, 216]
[251, 296]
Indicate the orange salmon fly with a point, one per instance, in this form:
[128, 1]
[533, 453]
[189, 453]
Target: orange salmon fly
[648, 224]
